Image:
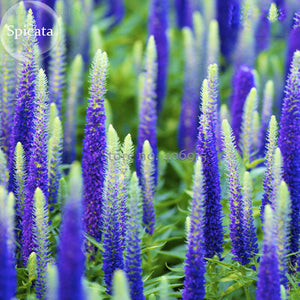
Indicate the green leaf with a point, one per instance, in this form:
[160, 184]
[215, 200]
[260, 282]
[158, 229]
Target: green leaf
[94, 242]
[232, 288]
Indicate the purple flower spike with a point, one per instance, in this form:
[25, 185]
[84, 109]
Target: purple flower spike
[70, 254]
[228, 15]
[20, 194]
[267, 108]
[116, 10]
[207, 150]
[242, 84]
[38, 164]
[57, 65]
[251, 245]
[74, 93]
[94, 149]
[263, 33]
[40, 235]
[293, 41]
[194, 269]
[158, 25]
[282, 219]
[187, 135]
[147, 114]
[112, 243]
[127, 157]
[288, 142]
[148, 188]
[268, 285]
[79, 14]
[282, 9]
[43, 20]
[54, 162]
[3, 169]
[8, 282]
[184, 12]
[133, 260]
[24, 111]
[237, 224]
[269, 163]
[7, 91]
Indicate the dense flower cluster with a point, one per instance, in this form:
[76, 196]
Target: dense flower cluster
[237, 218]
[195, 264]
[94, 147]
[147, 114]
[289, 138]
[133, 262]
[158, 25]
[25, 95]
[242, 84]
[57, 65]
[187, 131]
[37, 167]
[268, 286]
[8, 273]
[69, 227]
[207, 150]
[70, 255]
